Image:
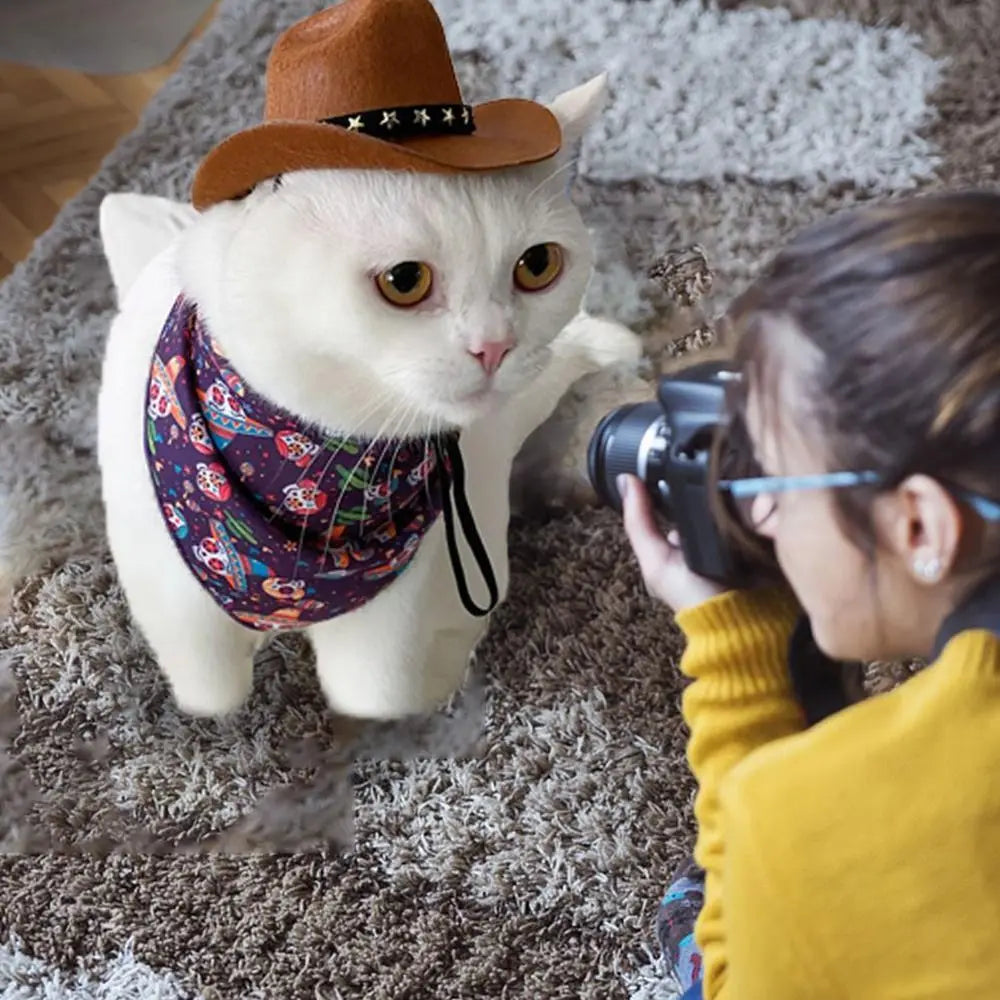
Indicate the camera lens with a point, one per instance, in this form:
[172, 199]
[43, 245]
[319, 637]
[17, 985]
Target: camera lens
[624, 442]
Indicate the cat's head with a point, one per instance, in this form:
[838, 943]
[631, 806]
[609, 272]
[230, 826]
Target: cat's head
[382, 302]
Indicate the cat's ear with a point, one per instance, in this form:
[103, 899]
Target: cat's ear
[134, 228]
[577, 109]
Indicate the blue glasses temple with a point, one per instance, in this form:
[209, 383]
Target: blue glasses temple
[748, 488]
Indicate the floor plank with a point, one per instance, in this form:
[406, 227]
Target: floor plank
[56, 126]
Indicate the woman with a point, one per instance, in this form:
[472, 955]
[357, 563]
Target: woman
[859, 857]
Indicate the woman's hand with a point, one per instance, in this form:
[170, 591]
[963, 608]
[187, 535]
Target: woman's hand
[660, 559]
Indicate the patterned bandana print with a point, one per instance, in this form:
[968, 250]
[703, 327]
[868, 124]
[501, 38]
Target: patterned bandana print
[283, 525]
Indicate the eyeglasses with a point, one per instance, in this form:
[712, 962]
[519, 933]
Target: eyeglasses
[744, 491]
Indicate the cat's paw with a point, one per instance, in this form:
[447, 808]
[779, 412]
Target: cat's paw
[602, 344]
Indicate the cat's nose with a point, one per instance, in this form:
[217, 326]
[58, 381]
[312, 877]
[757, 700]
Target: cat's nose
[490, 353]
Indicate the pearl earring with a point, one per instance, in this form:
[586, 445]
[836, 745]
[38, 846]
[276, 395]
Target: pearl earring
[929, 570]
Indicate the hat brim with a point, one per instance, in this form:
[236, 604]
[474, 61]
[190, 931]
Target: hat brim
[509, 133]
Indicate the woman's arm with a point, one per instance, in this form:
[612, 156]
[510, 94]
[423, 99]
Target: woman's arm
[741, 698]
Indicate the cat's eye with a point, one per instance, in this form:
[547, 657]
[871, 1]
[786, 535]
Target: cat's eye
[538, 267]
[405, 284]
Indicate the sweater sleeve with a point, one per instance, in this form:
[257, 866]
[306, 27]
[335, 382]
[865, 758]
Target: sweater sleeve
[741, 698]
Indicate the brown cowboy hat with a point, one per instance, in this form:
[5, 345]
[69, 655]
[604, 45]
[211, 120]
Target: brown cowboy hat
[369, 84]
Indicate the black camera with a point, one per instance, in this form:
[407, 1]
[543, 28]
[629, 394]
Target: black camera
[681, 446]
[669, 444]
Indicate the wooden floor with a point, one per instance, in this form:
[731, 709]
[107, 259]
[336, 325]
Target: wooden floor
[55, 128]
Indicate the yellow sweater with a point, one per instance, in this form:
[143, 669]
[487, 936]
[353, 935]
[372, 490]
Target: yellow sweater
[856, 859]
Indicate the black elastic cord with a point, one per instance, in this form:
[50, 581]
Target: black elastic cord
[457, 480]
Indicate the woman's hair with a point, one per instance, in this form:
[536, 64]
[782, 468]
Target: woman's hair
[898, 305]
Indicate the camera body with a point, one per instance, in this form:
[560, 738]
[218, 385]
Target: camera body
[671, 444]
[668, 443]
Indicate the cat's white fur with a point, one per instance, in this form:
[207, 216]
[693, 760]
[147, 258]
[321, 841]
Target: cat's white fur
[283, 279]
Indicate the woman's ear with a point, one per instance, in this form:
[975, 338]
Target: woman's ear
[927, 529]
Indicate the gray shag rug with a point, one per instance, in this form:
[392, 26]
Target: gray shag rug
[514, 846]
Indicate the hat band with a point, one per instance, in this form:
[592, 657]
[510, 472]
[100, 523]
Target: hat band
[409, 121]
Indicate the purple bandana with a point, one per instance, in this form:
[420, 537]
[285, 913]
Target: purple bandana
[282, 524]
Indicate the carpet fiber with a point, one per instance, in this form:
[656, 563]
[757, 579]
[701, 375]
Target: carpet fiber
[514, 846]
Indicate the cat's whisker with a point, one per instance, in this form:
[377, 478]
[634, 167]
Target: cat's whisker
[401, 440]
[552, 176]
[426, 437]
[379, 400]
[388, 395]
[390, 437]
[427, 448]
[305, 520]
[301, 477]
[306, 469]
[445, 485]
[404, 420]
[437, 436]
[420, 411]
[382, 433]
[347, 479]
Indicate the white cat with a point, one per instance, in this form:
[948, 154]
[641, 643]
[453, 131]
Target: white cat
[283, 280]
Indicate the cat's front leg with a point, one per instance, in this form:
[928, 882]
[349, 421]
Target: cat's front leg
[205, 656]
[388, 676]
[400, 654]
[595, 344]
[588, 344]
